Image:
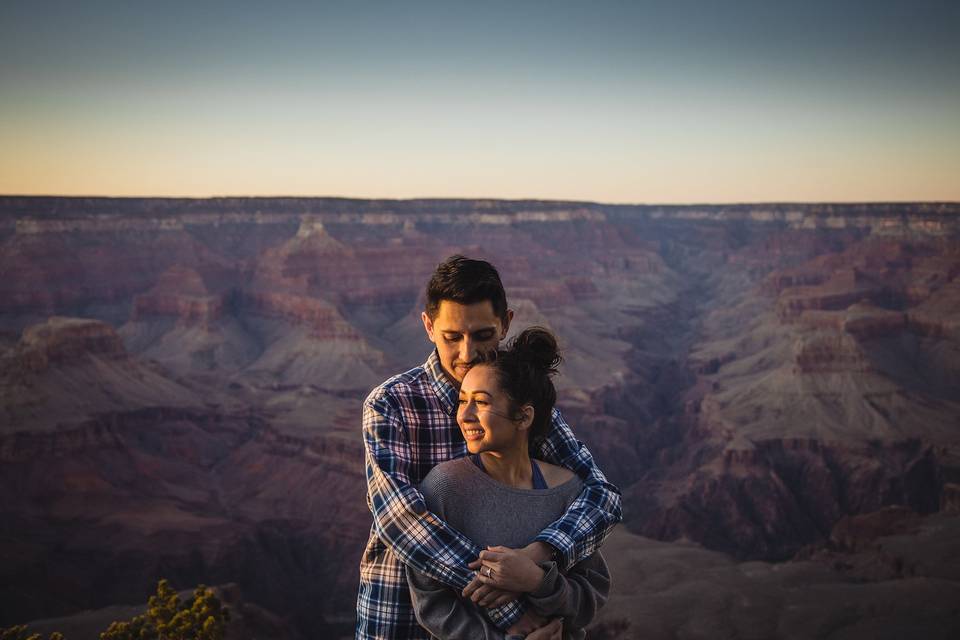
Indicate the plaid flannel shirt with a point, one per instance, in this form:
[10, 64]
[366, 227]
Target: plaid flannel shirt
[410, 426]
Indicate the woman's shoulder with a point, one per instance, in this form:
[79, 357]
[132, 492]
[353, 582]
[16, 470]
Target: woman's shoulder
[446, 475]
[555, 475]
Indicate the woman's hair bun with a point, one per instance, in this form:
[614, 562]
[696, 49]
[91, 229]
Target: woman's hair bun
[538, 347]
[524, 369]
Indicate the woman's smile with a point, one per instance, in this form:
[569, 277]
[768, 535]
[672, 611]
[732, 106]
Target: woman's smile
[473, 433]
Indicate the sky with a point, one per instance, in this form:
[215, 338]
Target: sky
[621, 102]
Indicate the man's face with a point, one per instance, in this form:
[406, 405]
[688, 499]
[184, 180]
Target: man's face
[462, 332]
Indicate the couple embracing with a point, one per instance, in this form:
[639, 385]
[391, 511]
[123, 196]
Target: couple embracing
[488, 514]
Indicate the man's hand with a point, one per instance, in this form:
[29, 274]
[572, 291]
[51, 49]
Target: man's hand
[528, 623]
[486, 595]
[508, 569]
[553, 630]
[539, 551]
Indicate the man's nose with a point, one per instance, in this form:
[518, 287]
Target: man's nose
[468, 350]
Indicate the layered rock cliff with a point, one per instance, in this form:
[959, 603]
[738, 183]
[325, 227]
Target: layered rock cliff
[181, 379]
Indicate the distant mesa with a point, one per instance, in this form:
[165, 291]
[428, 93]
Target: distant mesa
[181, 280]
[180, 293]
[313, 229]
[862, 319]
[829, 352]
[853, 533]
[320, 317]
[65, 371]
[64, 341]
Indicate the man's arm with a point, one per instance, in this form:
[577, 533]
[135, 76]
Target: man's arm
[419, 538]
[591, 517]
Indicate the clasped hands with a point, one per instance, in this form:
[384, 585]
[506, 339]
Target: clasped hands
[505, 574]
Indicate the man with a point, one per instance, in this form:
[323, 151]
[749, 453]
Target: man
[409, 426]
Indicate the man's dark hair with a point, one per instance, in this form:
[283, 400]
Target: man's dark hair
[466, 281]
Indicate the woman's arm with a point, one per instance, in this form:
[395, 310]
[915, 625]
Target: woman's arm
[576, 596]
[444, 615]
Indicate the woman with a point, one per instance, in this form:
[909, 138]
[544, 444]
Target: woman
[502, 498]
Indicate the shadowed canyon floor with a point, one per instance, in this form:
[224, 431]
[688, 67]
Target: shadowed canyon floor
[776, 389]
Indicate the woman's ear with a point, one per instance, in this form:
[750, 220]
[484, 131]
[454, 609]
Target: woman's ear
[526, 416]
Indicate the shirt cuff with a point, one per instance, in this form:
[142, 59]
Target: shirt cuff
[560, 541]
[506, 615]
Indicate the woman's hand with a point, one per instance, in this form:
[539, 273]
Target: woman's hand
[508, 569]
[553, 630]
[528, 623]
[488, 596]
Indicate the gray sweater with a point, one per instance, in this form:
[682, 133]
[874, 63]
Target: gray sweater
[490, 513]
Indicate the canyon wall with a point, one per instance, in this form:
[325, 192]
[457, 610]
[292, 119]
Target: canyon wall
[181, 379]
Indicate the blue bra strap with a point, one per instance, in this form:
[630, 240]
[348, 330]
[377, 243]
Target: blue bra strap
[538, 480]
[477, 461]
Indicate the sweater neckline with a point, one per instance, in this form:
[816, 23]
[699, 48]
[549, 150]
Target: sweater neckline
[499, 485]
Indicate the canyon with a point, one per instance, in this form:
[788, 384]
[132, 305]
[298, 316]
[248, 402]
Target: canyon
[775, 389]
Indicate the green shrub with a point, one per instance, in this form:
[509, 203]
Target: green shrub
[202, 617]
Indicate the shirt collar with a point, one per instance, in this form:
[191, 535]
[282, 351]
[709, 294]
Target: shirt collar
[440, 383]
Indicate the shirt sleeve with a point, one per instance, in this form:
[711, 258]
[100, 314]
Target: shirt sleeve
[577, 596]
[419, 538]
[591, 517]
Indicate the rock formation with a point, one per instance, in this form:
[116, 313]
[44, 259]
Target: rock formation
[181, 380]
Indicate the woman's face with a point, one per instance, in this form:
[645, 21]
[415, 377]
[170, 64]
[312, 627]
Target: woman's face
[483, 413]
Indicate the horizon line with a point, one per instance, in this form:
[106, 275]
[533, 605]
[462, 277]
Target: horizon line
[481, 198]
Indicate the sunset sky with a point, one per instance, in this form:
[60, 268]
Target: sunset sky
[644, 102]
